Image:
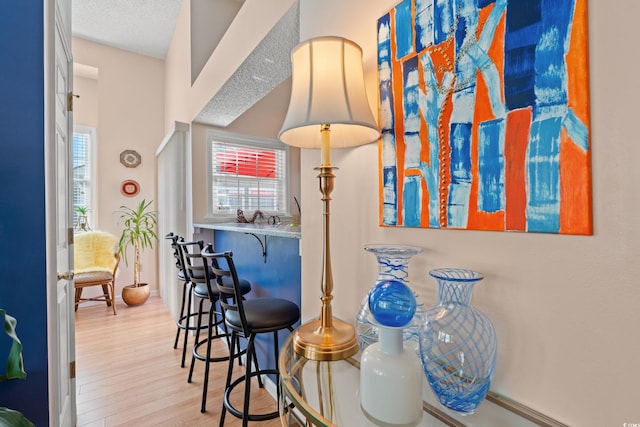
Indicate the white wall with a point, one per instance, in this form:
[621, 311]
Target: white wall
[177, 103]
[85, 107]
[182, 101]
[209, 21]
[566, 308]
[130, 114]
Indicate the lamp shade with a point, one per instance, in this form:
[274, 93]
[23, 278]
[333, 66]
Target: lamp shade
[328, 89]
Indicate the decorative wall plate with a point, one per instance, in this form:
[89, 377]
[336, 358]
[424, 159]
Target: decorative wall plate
[129, 188]
[130, 158]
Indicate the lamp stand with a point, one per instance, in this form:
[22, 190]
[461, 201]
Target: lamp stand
[326, 338]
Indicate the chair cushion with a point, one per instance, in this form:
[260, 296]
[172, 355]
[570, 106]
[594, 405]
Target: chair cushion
[265, 315]
[92, 277]
[245, 287]
[94, 251]
[200, 289]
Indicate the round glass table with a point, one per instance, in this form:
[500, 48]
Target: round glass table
[326, 394]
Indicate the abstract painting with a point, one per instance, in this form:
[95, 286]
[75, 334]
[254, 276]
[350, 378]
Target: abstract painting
[484, 111]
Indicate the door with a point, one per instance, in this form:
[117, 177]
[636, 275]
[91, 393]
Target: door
[61, 317]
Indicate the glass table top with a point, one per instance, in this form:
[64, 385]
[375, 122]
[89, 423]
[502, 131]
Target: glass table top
[327, 394]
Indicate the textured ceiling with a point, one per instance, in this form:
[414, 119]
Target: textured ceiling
[140, 26]
[265, 68]
[146, 27]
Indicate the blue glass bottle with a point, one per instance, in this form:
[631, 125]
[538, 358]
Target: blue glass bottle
[390, 374]
[458, 343]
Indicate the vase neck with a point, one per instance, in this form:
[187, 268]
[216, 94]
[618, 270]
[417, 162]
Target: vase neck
[393, 267]
[455, 292]
[390, 340]
[393, 260]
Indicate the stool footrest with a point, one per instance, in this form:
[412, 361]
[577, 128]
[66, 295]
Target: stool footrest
[239, 414]
[180, 323]
[203, 343]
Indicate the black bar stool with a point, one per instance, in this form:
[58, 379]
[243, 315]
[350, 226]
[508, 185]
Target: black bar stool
[247, 319]
[204, 288]
[185, 320]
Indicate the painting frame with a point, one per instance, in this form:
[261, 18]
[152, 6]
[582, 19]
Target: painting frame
[484, 112]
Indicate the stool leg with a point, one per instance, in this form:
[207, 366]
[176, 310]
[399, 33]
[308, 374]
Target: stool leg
[255, 363]
[181, 318]
[213, 317]
[247, 380]
[276, 348]
[195, 342]
[187, 323]
[232, 358]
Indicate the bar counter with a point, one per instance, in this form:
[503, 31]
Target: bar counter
[280, 230]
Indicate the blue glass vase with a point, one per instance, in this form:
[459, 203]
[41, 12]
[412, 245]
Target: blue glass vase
[458, 343]
[393, 264]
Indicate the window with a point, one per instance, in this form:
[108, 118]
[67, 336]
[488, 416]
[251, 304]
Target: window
[247, 173]
[83, 142]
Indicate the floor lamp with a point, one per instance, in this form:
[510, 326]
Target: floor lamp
[328, 109]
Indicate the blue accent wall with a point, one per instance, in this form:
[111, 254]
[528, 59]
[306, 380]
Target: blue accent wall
[279, 277]
[23, 290]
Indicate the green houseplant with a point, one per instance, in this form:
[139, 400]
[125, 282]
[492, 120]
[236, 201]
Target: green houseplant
[138, 230]
[82, 210]
[83, 218]
[14, 370]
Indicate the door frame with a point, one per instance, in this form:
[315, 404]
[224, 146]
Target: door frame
[57, 18]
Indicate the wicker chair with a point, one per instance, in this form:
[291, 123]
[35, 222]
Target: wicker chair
[96, 263]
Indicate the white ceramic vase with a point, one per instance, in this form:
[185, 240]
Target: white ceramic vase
[391, 380]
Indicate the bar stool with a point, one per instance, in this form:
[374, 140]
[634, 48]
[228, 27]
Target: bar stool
[204, 288]
[247, 319]
[184, 319]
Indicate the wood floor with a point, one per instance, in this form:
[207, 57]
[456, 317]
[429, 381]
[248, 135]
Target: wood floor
[128, 374]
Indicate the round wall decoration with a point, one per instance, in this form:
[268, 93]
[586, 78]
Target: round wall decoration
[129, 188]
[130, 158]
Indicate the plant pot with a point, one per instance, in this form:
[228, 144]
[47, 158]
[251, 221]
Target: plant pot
[136, 295]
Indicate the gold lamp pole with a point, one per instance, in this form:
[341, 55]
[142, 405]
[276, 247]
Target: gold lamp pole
[328, 97]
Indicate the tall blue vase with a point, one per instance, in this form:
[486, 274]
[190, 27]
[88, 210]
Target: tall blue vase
[458, 343]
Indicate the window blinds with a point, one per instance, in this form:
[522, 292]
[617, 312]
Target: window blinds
[247, 177]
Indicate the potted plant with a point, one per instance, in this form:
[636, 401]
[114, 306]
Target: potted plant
[138, 231]
[83, 218]
[14, 370]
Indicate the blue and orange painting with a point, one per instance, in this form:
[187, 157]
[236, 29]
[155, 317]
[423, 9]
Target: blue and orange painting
[484, 110]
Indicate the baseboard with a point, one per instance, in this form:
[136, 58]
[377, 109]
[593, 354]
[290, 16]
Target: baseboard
[154, 293]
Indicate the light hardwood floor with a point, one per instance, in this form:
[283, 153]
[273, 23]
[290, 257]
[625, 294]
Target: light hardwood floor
[128, 374]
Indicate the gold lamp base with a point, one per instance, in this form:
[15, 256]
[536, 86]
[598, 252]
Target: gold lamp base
[335, 342]
[326, 339]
